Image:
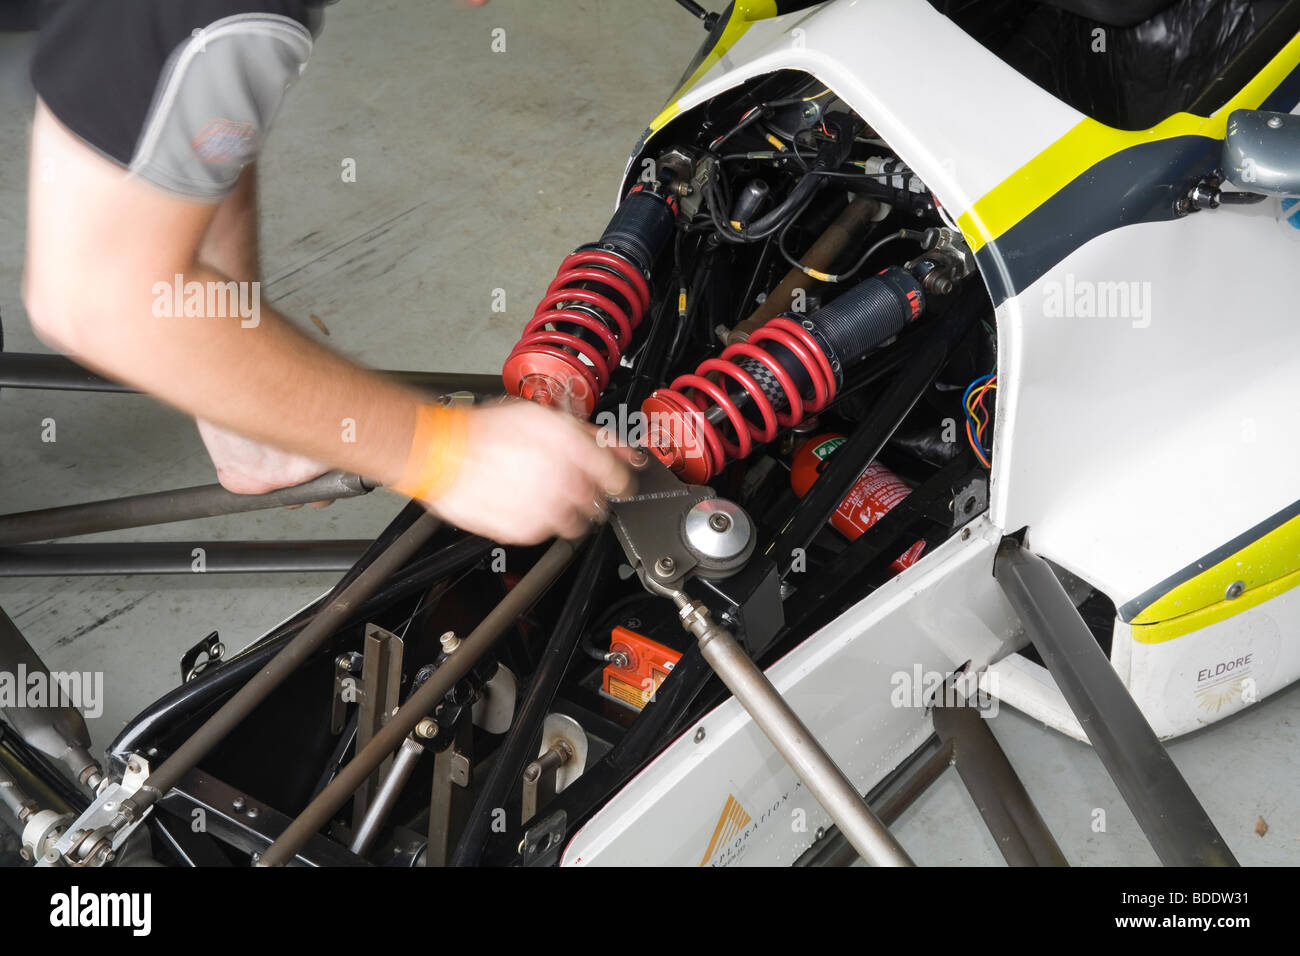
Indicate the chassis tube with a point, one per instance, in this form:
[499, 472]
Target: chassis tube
[306, 643]
[521, 742]
[794, 741]
[851, 460]
[162, 507]
[59, 373]
[177, 557]
[317, 813]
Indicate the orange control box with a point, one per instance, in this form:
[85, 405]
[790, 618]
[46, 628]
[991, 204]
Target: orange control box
[648, 663]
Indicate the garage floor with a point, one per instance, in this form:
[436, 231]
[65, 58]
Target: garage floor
[475, 171]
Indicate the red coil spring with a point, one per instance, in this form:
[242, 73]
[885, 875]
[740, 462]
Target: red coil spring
[695, 447]
[555, 355]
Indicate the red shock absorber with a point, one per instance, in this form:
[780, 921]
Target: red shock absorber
[591, 309]
[750, 389]
[789, 369]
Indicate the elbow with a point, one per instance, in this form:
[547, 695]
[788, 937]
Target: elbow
[58, 314]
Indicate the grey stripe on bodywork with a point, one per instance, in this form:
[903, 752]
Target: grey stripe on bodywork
[216, 100]
[1224, 551]
[1138, 184]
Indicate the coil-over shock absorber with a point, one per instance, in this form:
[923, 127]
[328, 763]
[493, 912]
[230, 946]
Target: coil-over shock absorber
[584, 323]
[789, 369]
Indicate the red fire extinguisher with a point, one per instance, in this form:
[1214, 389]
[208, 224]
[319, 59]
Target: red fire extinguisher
[876, 493]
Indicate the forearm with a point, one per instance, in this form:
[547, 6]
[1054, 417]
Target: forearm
[267, 381]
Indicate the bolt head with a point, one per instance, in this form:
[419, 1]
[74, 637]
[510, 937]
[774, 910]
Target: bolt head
[1275, 122]
[720, 522]
[699, 735]
[665, 566]
[1235, 590]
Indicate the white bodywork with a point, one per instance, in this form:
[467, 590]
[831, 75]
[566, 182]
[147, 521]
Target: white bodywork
[1129, 446]
[854, 684]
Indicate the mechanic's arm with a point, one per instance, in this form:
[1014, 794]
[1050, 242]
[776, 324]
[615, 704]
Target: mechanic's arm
[98, 242]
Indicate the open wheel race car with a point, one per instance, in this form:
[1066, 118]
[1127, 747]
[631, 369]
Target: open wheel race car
[909, 309]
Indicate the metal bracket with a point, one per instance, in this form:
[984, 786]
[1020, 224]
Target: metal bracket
[201, 656]
[561, 759]
[96, 836]
[542, 844]
[381, 682]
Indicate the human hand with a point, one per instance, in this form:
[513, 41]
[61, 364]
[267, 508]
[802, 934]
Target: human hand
[248, 467]
[530, 473]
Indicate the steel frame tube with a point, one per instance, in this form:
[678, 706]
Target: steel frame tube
[295, 653]
[522, 739]
[317, 813]
[34, 370]
[147, 731]
[796, 743]
[163, 507]
[854, 457]
[177, 557]
[1175, 823]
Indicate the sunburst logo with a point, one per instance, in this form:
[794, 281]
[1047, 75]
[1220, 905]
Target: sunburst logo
[733, 820]
[1218, 696]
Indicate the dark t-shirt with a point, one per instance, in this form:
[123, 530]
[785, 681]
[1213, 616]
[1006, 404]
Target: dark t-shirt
[181, 92]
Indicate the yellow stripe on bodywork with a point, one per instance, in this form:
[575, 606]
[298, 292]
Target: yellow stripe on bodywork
[1266, 567]
[743, 14]
[1089, 142]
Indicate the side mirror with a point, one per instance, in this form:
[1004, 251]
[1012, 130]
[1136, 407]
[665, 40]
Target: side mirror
[1261, 152]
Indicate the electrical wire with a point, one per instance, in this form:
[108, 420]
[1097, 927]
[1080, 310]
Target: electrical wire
[973, 403]
[826, 277]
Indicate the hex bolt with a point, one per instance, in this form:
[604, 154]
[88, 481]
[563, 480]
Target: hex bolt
[449, 642]
[665, 566]
[1235, 590]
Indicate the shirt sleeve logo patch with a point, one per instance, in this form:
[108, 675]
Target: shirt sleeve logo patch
[224, 140]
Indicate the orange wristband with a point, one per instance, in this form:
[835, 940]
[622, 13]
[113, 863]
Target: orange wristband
[437, 451]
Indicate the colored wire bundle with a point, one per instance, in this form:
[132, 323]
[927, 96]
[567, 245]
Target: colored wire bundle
[978, 418]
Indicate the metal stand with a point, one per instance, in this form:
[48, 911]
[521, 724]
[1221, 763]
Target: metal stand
[1179, 829]
[59, 373]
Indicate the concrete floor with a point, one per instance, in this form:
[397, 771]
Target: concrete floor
[475, 171]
